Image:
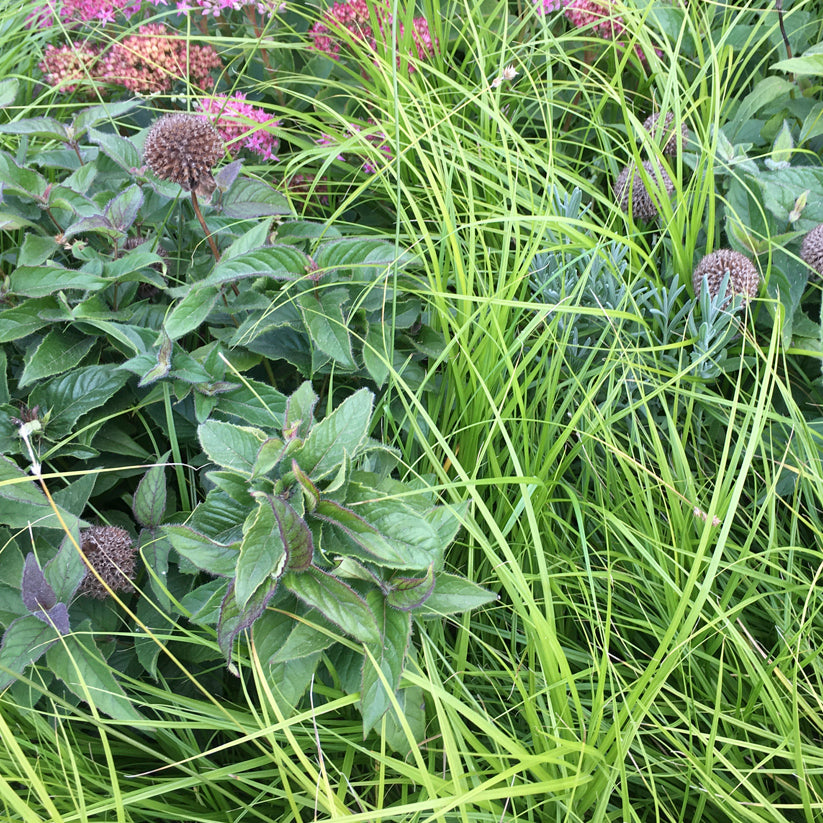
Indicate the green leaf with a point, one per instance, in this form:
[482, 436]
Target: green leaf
[299, 411]
[8, 91]
[808, 64]
[117, 148]
[22, 502]
[39, 281]
[388, 656]
[46, 127]
[149, 503]
[230, 446]
[377, 353]
[20, 180]
[103, 112]
[400, 541]
[81, 390]
[56, 353]
[249, 198]
[191, 311]
[207, 554]
[280, 262]
[342, 432]
[323, 316]
[310, 634]
[25, 641]
[453, 594]
[290, 680]
[36, 250]
[412, 705]
[336, 601]
[295, 534]
[78, 663]
[30, 316]
[368, 257]
[255, 403]
[262, 553]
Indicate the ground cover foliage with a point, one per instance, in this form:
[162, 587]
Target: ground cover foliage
[443, 493]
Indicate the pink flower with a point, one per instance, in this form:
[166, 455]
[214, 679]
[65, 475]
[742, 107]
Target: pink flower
[351, 19]
[235, 119]
[545, 6]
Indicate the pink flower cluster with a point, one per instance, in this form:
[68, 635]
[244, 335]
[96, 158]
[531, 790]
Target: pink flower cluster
[354, 18]
[149, 61]
[598, 15]
[215, 8]
[234, 119]
[82, 11]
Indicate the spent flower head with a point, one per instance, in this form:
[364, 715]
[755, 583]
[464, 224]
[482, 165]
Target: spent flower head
[812, 249]
[630, 191]
[743, 277]
[111, 552]
[183, 148]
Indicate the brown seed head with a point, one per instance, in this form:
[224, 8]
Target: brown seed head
[629, 190]
[812, 249]
[184, 148]
[743, 276]
[664, 130]
[111, 552]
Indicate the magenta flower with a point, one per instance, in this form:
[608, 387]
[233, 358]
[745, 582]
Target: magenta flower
[546, 6]
[235, 120]
[353, 18]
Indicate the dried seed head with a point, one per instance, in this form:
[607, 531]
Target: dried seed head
[111, 552]
[812, 249]
[743, 276]
[664, 130]
[184, 148]
[630, 192]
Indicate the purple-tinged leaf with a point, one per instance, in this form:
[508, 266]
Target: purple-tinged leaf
[227, 175]
[57, 616]
[408, 593]
[234, 619]
[295, 534]
[37, 594]
[123, 208]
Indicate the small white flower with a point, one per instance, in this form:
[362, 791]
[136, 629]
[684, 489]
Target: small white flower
[509, 73]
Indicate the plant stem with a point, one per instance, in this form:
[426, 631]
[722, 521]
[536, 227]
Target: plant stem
[199, 214]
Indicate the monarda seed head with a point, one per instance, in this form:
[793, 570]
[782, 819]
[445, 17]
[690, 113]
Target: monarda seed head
[631, 193]
[111, 552]
[184, 148]
[812, 249]
[743, 276]
[663, 129]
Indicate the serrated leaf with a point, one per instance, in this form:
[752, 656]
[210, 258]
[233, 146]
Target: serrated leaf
[21, 180]
[123, 208]
[323, 316]
[805, 65]
[294, 534]
[56, 353]
[336, 601]
[232, 447]
[117, 148]
[299, 411]
[40, 281]
[81, 390]
[46, 127]
[78, 663]
[311, 633]
[234, 619]
[249, 198]
[280, 262]
[388, 657]
[29, 317]
[368, 256]
[342, 432]
[262, 553]
[254, 403]
[271, 453]
[453, 594]
[191, 312]
[102, 112]
[149, 503]
[25, 641]
[205, 553]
